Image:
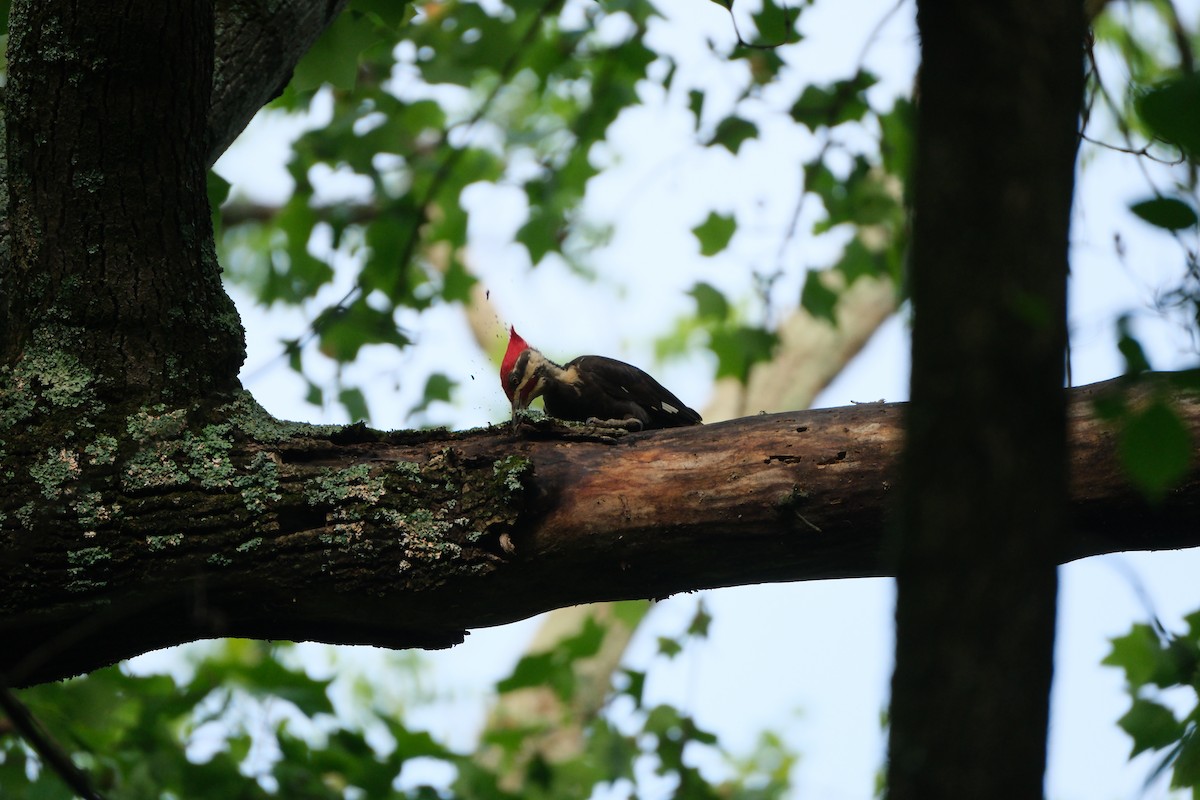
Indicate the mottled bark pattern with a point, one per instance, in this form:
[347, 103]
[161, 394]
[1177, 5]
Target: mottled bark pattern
[985, 469]
[403, 541]
[111, 256]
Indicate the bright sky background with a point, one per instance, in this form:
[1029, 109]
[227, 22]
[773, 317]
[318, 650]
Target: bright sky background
[811, 660]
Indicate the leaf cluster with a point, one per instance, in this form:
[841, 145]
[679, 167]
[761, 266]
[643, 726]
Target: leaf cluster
[1156, 663]
[423, 103]
[413, 107]
[246, 722]
[1157, 116]
[863, 199]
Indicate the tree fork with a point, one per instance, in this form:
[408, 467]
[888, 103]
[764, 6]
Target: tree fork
[228, 523]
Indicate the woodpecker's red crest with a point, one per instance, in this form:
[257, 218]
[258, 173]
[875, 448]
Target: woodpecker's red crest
[589, 388]
[510, 377]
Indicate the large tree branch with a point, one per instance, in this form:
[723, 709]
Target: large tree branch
[248, 528]
[258, 44]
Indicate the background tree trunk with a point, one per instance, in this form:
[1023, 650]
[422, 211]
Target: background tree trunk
[985, 464]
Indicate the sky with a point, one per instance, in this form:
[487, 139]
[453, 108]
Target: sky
[811, 660]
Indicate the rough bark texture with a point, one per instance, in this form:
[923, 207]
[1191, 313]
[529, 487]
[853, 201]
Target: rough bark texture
[240, 526]
[110, 114]
[111, 260]
[985, 470]
[258, 43]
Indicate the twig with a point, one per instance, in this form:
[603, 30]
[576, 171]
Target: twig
[443, 172]
[51, 753]
[1138, 151]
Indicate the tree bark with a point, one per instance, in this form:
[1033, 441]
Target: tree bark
[241, 526]
[112, 271]
[985, 511]
[258, 44]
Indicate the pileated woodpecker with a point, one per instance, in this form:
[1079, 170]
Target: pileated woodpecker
[589, 389]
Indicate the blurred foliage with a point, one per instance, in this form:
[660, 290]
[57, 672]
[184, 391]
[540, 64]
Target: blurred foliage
[1161, 717]
[1143, 89]
[1158, 117]
[428, 100]
[247, 722]
[1156, 114]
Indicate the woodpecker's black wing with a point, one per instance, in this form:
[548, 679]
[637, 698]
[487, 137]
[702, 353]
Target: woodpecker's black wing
[604, 388]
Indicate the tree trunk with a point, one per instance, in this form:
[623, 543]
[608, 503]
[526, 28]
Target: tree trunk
[112, 275]
[985, 479]
[241, 526]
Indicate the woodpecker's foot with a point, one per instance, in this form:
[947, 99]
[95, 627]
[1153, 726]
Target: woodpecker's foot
[593, 430]
[632, 425]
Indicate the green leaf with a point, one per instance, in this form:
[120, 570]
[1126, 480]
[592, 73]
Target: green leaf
[732, 132]
[897, 143]
[1135, 357]
[613, 753]
[834, 104]
[556, 668]
[1172, 111]
[1166, 212]
[818, 299]
[1155, 449]
[636, 685]
[387, 12]
[299, 274]
[714, 233]
[355, 403]
[437, 389]
[1187, 764]
[738, 349]
[1140, 653]
[1150, 725]
[858, 261]
[669, 646]
[710, 303]
[775, 22]
[700, 623]
[218, 189]
[344, 331]
[334, 58]
[541, 234]
[388, 266]
[696, 105]
[315, 396]
[586, 643]
[457, 282]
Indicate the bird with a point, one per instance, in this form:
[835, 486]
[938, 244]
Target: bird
[592, 389]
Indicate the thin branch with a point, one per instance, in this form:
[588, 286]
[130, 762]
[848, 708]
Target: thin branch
[443, 172]
[51, 753]
[794, 222]
[1134, 151]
